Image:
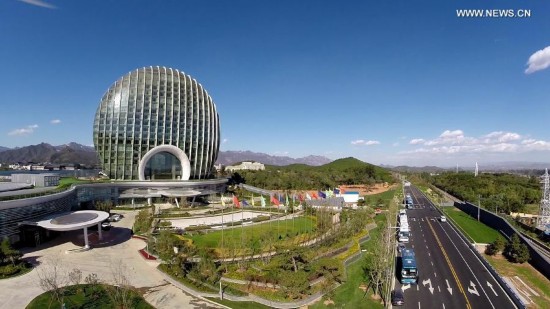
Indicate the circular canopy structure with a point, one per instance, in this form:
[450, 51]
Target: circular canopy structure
[74, 220]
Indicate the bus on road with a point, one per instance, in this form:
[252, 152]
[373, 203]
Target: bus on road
[409, 272]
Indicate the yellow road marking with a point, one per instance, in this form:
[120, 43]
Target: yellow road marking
[450, 265]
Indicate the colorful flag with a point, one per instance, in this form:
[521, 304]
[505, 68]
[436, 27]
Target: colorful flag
[274, 200]
[342, 191]
[314, 195]
[281, 198]
[286, 200]
[236, 202]
[301, 197]
[223, 202]
[308, 197]
[293, 198]
[322, 194]
[262, 200]
[245, 203]
[336, 191]
[252, 199]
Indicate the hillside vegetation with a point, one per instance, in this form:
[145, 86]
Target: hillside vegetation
[347, 171]
[507, 191]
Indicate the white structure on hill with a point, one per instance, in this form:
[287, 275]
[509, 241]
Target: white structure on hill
[254, 166]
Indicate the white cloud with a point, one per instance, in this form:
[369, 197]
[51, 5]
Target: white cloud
[39, 3]
[455, 142]
[540, 60]
[364, 142]
[23, 131]
[416, 141]
[395, 144]
[500, 136]
[452, 134]
[55, 121]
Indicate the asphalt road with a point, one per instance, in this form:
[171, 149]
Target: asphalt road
[451, 275]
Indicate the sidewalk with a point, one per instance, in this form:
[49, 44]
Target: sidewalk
[117, 246]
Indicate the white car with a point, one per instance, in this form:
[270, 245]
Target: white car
[443, 219]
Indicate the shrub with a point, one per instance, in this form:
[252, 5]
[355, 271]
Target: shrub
[8, 270]
[495, 247]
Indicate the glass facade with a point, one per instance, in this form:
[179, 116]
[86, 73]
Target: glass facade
[150, 107]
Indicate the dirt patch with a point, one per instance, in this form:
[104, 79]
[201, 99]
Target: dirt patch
[368, 189]
[363, 288]
[328, 302]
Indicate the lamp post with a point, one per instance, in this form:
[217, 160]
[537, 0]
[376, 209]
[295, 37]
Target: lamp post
[478, 206]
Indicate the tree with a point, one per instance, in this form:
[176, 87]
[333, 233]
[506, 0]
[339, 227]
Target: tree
[75, 276]
[51, 278]
[106, 205]
[7, 252]
[516, 251]
[496, 246]
[120, 292]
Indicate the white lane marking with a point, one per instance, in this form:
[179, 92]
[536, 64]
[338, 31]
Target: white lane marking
[417, 287]
[439, 289]
[435, 274]
[432, 263]
[449, 287]
[491, 287]
[418, 305]
[428, 282]
[473, 289]
[429, 254]
[405, 286]
[443, 305]
[467, 265]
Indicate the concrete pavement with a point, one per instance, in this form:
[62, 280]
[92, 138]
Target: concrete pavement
[117, 248]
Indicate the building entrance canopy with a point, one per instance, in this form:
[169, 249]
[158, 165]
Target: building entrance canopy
[74, 220]
[159, 192]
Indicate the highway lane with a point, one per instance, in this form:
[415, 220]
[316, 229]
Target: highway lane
[451, 276]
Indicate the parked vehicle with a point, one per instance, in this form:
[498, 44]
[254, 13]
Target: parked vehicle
[443, 219]
[115, 218]
[397, 297]
[105, 226]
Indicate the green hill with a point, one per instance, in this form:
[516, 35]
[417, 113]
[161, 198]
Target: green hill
[346, 171]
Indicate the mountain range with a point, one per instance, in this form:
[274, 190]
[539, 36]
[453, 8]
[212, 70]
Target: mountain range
[86, 155]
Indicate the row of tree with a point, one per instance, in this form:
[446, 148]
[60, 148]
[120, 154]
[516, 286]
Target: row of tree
[514, 249]
[507, 192]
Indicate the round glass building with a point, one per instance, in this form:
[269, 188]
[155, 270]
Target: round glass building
[157, 123]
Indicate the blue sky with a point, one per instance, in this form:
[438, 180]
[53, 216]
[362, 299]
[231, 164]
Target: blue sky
[388, 82]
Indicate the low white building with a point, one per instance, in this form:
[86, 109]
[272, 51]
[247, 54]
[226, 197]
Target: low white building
[254, 166]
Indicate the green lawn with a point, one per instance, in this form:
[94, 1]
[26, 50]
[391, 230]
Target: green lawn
[85, 296]
[476, 231]
[275, 230]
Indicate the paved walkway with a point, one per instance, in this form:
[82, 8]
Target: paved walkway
[117, 247]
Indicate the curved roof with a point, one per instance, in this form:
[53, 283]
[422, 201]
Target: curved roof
[74, 220]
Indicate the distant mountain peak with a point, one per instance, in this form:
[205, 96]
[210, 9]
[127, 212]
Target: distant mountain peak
[234, 156]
